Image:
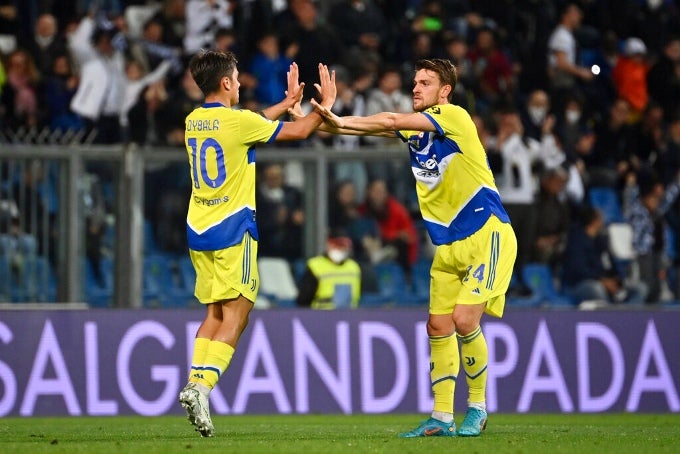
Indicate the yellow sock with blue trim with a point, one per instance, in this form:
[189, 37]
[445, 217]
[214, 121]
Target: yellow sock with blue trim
[475, 355]
[197, 359]
[444, 365]
[217, 360]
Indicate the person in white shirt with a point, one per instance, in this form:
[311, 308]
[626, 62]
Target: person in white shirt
[135, 82]
[517, 184]
[203, 19]
[100, 94]
[563, 71]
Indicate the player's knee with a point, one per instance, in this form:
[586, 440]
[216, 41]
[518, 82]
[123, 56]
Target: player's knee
[465, 325]
[439, 327]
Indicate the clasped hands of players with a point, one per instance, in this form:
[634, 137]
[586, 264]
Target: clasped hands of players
[326, 89]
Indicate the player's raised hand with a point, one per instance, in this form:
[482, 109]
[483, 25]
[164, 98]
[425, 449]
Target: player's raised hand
[295, 88]
[326, 86]
[328, 116]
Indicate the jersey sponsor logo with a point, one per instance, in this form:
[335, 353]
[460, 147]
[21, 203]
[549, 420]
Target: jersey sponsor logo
[203, 125]
[427, 174]
[210, 202]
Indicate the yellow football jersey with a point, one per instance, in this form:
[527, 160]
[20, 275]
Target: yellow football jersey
[456, 189]
[220, 142]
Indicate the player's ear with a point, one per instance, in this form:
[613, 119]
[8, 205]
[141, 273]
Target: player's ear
[226, 83]
[445, 91]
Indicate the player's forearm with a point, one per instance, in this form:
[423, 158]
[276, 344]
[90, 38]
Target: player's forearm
[354, 132]
[381, 122]
[275, 111]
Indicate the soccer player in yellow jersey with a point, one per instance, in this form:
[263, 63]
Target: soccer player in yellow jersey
[475, 244]
[221, 227]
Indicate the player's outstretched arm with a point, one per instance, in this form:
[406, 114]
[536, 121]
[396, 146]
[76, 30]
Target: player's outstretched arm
[376, 124]
[293, 94]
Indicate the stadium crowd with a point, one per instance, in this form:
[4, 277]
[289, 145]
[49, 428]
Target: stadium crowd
[577, 104]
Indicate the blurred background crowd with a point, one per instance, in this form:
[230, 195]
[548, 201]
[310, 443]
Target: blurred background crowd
[577, 104]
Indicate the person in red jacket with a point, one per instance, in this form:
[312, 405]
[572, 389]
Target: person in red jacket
[630, 75]
[394, 221]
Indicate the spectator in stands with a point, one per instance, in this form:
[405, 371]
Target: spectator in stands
[203, 18]
[552, 218]
[663, 78]
[20, 92]
[331, 280]
[668, 166]
[149, 51]
[456, 50]
[46, 43]
[630, 76]
[173, 22]
[99, 99]
[134, 112]
[361, 27]
[645, 204]
[58, 91]
[492, 70]
[344, 215]
[536, 114]
[647, 136]
[585, 275]
[349, 101]
[395, 223]
[269, 67]
[314, 39]
[388, 96]
[516, 182]
[280, 215]
[180, 102]
[610, 158]
[563, 71]
[571, 123]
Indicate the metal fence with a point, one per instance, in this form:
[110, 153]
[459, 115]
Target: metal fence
[74, 216]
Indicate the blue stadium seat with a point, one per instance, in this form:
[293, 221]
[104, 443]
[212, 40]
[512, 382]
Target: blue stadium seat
[150, 244]
[539, 278]
[5, 271]
[163, 282]
[421, 279]
[187, 274]
[392, 284]
[606, 200]
[99, 294]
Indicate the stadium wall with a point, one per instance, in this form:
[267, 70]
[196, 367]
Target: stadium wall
[113, 362]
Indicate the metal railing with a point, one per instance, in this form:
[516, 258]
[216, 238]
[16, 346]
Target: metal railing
[49, 187]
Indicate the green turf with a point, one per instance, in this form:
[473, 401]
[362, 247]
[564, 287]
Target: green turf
[634, 433]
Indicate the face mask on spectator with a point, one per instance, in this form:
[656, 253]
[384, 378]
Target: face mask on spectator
[537, 114]
[338, 255]
[654, 4]
[573, 116]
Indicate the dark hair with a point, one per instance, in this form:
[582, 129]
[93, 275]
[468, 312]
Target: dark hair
[209, 67]
[444, 70]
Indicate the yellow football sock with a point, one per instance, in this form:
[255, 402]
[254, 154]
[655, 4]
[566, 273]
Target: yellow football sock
[197, 359]
[475, 355]
[444, 365]
[217, 360]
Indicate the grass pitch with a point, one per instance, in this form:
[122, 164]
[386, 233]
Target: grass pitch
[600, 433]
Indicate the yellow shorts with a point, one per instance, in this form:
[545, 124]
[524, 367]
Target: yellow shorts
[227, 273]
[474, 270]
